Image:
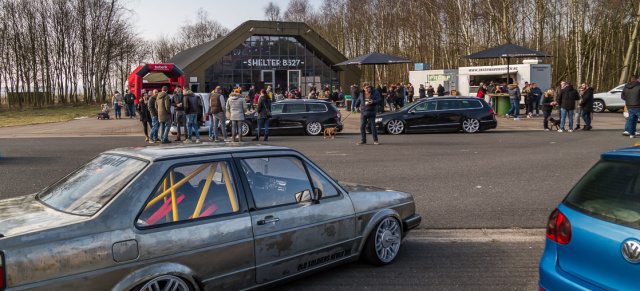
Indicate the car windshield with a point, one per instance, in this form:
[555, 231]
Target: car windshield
[609, 191]
[91, 186]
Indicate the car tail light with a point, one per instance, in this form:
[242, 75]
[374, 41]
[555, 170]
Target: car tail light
[492, 112]
[336, 115]
[559, 228]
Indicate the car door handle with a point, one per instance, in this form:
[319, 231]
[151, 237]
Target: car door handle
[268, 219]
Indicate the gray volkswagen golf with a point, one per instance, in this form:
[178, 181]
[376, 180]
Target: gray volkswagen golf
[198, 217]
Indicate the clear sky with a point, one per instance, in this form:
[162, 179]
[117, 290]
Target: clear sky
[155, 17]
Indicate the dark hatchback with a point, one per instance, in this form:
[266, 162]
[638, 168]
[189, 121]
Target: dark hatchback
[299, 116]
[439, 114]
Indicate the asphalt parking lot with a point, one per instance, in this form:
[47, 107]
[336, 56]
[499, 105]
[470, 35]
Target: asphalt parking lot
[465, 186]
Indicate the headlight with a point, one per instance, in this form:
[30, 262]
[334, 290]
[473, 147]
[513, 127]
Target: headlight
[378, 119]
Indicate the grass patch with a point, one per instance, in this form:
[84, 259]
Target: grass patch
[46, 115]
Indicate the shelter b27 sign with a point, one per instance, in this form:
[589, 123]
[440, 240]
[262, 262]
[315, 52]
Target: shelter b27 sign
[274, 62]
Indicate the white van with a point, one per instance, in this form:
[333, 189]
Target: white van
[203, 117]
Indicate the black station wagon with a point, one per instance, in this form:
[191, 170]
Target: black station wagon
[439, 114]
[299, 116]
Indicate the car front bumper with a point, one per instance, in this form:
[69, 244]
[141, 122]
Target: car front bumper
[411, 222]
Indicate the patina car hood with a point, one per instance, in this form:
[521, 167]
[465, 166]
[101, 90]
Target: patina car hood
[25, 214]
[366, 198]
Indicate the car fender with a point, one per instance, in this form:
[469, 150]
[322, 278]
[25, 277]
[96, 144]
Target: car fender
[375, 219]
[147, 273]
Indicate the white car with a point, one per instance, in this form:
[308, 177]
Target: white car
[203, 119]
[611, 100]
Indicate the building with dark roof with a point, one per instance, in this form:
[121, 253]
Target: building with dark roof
[290, 55]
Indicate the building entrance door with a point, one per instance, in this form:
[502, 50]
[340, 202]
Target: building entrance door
[268, 78]
[293, 79]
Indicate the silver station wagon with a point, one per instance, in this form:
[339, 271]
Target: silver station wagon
[198, 217]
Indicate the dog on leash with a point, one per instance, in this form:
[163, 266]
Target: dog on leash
[331, 131]
[554, 122]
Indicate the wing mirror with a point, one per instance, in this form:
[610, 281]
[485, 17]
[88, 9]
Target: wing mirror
[305, 196]
[317, 195]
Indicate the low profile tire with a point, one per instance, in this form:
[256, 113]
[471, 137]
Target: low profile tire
[246, 129]
[166, 282]
[383, 243]
[598, 106]
[395, 126]
[471, 125]
[313, 128]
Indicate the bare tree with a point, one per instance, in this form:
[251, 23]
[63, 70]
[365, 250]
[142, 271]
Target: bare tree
[298, 10]
[272, 11]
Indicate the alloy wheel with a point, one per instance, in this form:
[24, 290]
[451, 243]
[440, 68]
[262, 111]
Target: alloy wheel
[395, 126]
[471, 125]
[166, 282]
[598, 106]
[314, 128]
[387, 239]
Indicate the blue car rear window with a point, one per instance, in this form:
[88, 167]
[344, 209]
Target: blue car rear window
[609, 191]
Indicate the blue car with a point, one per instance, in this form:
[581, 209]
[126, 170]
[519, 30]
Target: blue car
[593, 237]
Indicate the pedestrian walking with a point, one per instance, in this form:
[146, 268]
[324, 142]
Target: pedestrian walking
[236, 108]
[567, 103]
[577, 113]
[410, 92]
[130, 100]
[631, 97]
[368, 102]
[355, 92]
[145, 116]
[218, 112]
[163, 105]
[586, 104]
[392, 98]
[526, 93]
[191, 110]
[153, 111]
[264, 114]
[547, 107]
[514, 99]
[536, 96]
[118, 102]
[178, 107]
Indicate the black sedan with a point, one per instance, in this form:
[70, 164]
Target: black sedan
[297, 116]
[439, 114]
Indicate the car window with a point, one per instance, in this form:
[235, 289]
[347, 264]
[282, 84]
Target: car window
[294, 108]
[320, 182]
[317, 107]
[619, 88]
[448, 104]
[425, 106]
[276, 108]
[91, 186]
[609, 191]
[471, 104]
[198, 190]
[276, 180]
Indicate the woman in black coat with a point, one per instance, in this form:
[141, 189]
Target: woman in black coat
[145, 116]
[264, 114]
[391, 99]
[547, 107]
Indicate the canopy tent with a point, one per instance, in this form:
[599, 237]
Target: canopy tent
[507, 51]
[375, 59]
[174, 74]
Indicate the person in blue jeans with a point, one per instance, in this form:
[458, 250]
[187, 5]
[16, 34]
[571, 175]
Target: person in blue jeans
[567, 102]
[117, 100]
[191, 109]
[368, 102]
[264, 111]
[153, 111]
[631, 97]
[514, 99]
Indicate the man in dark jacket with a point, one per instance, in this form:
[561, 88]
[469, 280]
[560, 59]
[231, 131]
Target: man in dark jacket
[368, 102]
[567, 103]
[514, 99]
[631, 97]
[191, 109]
[178, 106]
[586, 104]
[130, 99]
[355, 92]
[440, 90]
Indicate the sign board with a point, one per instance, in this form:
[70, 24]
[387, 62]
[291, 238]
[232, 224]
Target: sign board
[422, 66]
[273, 62]
[439, 78]
[193, 79]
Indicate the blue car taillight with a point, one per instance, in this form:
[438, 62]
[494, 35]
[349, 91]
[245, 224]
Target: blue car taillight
[559, 228]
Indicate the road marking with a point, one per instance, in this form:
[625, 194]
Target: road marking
[476, 235]
[46, 130]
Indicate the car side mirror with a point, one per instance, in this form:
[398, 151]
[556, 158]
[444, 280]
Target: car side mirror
[317, 195]
[303, 196]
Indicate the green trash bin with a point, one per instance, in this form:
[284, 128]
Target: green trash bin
[502, 105]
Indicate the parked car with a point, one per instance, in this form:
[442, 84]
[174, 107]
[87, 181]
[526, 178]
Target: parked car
[439, 114]
[198, 217]
[298, 116]
[611, 100]
[593, 237]
[203, 117]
